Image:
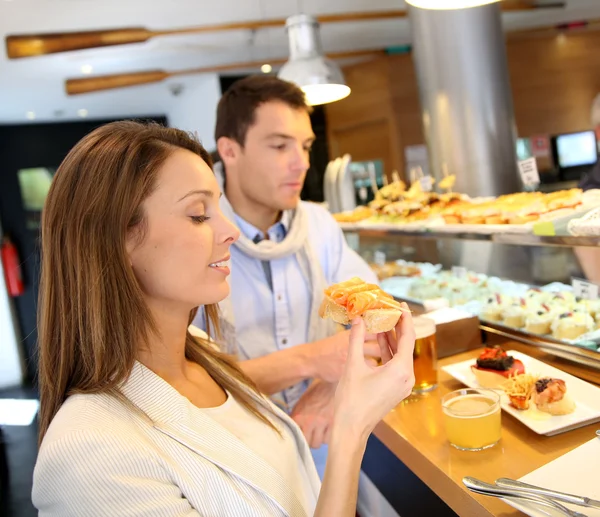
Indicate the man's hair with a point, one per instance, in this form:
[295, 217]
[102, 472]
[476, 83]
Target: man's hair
[237, 108]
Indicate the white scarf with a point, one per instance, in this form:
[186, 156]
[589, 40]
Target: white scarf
[296, 242]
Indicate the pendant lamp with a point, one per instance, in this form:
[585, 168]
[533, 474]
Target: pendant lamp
[320, 78]
[449, 4]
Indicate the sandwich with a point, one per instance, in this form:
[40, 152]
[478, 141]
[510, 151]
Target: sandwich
[355, 298]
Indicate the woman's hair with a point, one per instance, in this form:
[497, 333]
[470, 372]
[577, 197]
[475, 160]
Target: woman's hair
[92, 313]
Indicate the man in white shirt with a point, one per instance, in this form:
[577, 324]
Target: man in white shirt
[288, 252]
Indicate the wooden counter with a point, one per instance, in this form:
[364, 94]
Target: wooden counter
[414, 433]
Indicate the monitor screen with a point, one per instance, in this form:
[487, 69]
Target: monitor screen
[576, 149]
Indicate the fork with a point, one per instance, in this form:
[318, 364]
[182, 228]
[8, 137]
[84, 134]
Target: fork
[483, 488]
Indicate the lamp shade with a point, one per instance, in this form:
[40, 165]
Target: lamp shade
[320, 78]
[449, 4]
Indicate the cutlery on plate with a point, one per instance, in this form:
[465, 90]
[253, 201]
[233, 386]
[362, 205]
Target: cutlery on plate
[552, 494]
[483, 488]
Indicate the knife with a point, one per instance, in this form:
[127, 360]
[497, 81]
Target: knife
[553, 494]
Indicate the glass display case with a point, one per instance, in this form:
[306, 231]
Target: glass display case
[522, 287]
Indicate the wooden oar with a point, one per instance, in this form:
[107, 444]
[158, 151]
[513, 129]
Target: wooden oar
[27, 45]
[108, 82]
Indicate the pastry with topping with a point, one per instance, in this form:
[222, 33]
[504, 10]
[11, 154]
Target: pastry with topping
[571, 325]
[550, 396]
[494, 366]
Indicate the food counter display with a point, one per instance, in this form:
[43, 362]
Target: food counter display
[508, 264]
[553, 315]
[414, 210]
[540, 355]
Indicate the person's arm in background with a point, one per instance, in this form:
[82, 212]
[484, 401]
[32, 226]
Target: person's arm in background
[589, 257]
[323, 359]
[589, 260]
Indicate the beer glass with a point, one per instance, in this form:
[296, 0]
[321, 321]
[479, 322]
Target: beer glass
[425, 355]
[472, 418]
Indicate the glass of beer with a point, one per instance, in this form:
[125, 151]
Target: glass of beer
[425, 355]
[472, 418]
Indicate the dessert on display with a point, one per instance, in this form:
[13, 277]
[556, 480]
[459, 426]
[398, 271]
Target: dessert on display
[550, 311]
[571, 325]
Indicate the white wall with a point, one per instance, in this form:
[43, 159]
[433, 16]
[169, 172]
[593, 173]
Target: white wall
[193, 109]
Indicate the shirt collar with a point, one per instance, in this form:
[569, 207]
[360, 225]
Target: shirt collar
[276, 233]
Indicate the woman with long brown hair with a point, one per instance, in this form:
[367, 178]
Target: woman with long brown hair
[139, 416]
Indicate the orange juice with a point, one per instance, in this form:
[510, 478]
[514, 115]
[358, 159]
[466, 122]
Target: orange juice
[472, 418]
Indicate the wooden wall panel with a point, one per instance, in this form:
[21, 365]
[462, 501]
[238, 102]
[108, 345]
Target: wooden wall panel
[368, 140]
[554, 80]
[364, 124]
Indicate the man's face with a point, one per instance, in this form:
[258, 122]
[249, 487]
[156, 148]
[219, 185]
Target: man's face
[273, 162]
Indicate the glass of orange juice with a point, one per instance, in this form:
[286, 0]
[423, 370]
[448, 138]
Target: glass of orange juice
[472, 418]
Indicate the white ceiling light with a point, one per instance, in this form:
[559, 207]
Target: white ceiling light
[30, 115]
[82, 113]
[449, 4]
[266, 68]
[320, 78]
[87, 69]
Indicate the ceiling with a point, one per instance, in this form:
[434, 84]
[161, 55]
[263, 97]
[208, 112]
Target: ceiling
[37, 84]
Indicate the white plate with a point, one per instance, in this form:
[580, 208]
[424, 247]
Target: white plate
[345, 185]
[585, 395]
[576, 472]
[330, 185]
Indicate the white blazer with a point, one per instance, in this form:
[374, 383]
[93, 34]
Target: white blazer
[100, 458]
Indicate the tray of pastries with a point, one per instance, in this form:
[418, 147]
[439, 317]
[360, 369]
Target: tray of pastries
[414, 209]
[550, 311]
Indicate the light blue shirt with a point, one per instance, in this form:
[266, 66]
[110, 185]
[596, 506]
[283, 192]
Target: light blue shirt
[274, 315]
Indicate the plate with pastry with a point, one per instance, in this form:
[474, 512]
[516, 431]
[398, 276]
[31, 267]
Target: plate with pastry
[545, 399]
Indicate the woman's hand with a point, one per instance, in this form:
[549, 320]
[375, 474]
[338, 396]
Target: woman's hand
[366, 393]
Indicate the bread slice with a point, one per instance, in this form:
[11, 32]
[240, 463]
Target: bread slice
[381, 320]
[330, 309]
[376, 320]
[564, 406]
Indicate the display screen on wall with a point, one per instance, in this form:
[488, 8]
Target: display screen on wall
[34, 184]
[577, 149]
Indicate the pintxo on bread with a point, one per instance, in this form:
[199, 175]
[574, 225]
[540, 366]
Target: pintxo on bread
[494, 366]
[548, 394]
[355, 298]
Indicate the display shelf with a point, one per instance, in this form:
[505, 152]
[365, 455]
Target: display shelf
[515, 239]
[573, 353]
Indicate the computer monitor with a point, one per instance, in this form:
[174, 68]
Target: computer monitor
[575, 153]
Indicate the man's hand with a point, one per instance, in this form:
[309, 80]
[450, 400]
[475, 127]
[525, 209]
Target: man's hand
[314, 412]
[328, 356]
